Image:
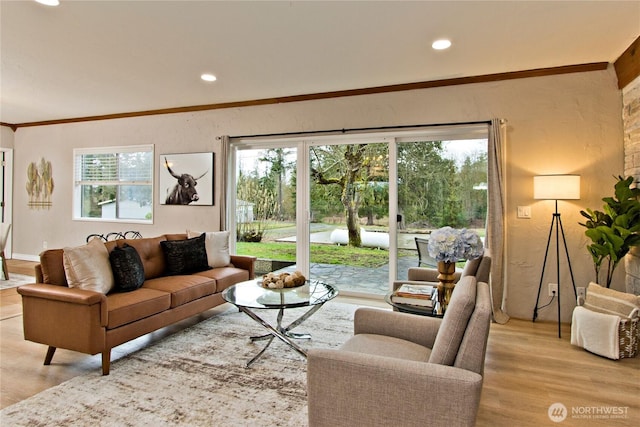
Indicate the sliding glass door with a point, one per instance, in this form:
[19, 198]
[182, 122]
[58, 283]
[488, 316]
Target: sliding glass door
[265, 205]
[352, 209]
[440, 183]
[349, 207]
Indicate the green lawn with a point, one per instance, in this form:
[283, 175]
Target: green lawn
[325, 254]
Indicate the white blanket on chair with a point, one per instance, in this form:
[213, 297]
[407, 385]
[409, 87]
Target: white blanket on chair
[596, 332]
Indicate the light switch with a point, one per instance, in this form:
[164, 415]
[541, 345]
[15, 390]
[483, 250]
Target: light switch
[524, 211]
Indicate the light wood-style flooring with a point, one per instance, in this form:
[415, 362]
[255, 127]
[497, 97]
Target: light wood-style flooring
[528, 368]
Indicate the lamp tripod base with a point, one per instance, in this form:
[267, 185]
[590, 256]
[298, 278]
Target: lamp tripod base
[556, 223]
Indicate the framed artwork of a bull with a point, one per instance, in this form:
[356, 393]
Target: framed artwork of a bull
[186, 179]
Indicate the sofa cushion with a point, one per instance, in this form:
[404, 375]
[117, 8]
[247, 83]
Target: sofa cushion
[610, 301]
[185, 256]
[128, 307]
[87, 267]
[150, 253]
[182, 288]
[381, 345]
[127, 268]
[217, 246]
[454, 322]
[225, 276]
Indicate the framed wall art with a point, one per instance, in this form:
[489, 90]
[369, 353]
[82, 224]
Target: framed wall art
[186, 179]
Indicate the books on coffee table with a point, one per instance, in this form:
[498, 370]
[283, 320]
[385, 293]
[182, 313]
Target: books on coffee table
[422, 295]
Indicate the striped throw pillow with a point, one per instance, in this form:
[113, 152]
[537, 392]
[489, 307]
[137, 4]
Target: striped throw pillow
[610, 301]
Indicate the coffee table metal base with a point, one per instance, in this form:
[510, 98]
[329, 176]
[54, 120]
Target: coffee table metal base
[284, 334]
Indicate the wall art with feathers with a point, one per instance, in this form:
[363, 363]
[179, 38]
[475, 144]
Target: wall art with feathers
[40, 184]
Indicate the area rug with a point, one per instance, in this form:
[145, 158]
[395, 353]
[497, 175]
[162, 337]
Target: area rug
[195, 377]
[16, 280]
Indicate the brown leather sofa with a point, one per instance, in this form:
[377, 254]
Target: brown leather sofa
[91, 322]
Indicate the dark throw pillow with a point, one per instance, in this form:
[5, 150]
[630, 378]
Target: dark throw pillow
[185, 256]
[127, 268]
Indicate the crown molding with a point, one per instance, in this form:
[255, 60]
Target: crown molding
[540, 72]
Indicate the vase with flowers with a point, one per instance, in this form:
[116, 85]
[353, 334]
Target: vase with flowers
[447, 246]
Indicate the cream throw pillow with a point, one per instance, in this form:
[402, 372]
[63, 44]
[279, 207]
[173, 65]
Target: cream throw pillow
[610, 301]
[87, 267]
[217, 245]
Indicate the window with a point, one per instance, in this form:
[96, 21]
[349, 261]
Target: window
[114, 184]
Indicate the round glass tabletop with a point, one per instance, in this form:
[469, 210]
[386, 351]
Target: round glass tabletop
[252, 295]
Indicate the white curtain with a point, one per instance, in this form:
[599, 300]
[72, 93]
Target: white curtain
[495, 240]
[224, 168]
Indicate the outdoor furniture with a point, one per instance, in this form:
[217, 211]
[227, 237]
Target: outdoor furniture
[402, 369]
[423, 252]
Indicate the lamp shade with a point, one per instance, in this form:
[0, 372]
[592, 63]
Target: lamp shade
[556, 187]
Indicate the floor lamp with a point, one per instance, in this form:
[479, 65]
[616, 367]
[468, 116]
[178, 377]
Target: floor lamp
[556, 187]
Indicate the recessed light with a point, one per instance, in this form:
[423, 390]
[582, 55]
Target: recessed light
[441, 44]
[49, 2]
[208, 77]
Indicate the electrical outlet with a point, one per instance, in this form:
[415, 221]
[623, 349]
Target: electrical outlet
[44, 245]
[553, 289]
[582, 291]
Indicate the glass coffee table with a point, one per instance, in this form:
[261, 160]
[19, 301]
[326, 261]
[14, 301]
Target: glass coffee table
[250, 296]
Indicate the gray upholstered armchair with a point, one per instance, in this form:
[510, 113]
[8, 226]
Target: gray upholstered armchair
[479, 267]
[403, 369]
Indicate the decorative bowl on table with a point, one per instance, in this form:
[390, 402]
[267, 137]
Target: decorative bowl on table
[282, 280]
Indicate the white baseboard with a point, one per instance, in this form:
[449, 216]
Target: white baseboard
[24, 257]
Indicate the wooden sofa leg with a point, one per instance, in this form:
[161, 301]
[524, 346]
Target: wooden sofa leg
[50, 352]
[106, 361]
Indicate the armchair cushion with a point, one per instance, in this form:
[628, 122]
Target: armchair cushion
[454, 322]
[472, 351]
[420, 330]
[381, 345]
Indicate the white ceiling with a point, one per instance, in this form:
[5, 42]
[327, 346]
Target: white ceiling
[87, 58]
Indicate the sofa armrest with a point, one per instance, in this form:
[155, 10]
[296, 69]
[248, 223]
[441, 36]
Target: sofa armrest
[245, 262]
[421, 330]
[61, 293]
[348, 388]
[61, 296]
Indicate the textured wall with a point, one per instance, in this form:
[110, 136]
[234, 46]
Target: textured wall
[631, 124]
[556, 124]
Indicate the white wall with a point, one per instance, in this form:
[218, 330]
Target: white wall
[6, 137]
[558, 124]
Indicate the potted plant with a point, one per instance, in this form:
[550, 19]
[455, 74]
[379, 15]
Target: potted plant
[615, 230]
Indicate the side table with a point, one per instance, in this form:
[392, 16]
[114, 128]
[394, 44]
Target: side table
[413, 309]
